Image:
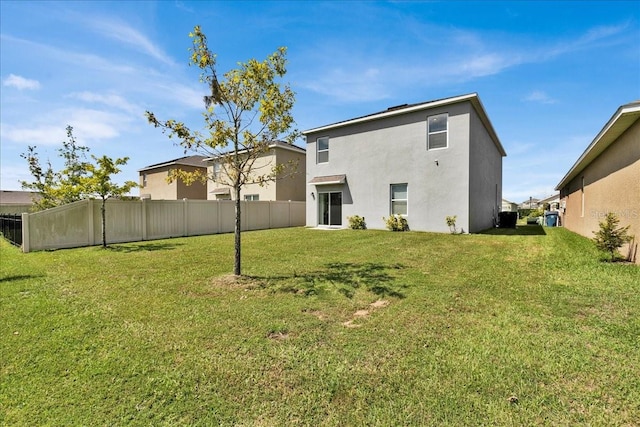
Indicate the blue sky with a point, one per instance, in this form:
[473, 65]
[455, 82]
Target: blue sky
[550, 74]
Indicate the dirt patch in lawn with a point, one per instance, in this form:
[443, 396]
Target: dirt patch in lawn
[364, 313]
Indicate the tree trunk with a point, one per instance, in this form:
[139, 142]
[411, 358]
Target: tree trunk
[236, 265]
[103, 211]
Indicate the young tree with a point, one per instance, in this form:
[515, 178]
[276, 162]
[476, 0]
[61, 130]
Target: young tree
[610, 237]
[98, 183]
[62, 187]
[247, 109]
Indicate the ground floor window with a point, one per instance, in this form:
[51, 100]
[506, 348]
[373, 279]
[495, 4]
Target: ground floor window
[399, 198]
[251, 197]
[330, 208]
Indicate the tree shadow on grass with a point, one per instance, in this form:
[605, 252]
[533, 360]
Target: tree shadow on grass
[143, 247]
[19, 277]
[520, 230]
[343, 277]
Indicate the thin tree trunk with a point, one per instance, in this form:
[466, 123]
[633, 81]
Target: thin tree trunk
[236, 266]
[103, 210]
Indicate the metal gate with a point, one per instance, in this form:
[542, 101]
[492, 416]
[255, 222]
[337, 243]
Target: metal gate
[11, 228]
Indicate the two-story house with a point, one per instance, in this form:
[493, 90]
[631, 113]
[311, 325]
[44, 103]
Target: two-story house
[289, 186]
[423, 161]
[154, 185]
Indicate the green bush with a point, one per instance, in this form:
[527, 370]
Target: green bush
[356, 222]
[396, 223]
[536, 213]
[610, 237]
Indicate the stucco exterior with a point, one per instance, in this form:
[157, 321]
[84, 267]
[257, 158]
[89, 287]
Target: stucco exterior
[606, 178]
[154, 185]
[291, 186]
[368, 155]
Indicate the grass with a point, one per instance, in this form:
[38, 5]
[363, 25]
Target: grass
[327, 328]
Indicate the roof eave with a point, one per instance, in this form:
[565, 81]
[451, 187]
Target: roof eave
[473, 98]
[603, 140]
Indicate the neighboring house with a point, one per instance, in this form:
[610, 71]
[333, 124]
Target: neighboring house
[553, 202]
[16, 202]
[532, 203]
[290, 186]
[508, 206]
[423, 161]
[154, 185]
[606, 178]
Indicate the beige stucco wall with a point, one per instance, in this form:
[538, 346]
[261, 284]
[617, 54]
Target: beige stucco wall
[157, 186]
[196, 191]
[159, 189]
[611, 184]
[289, 188]
[292, 187]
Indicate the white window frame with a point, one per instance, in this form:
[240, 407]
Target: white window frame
[319, 151]
[392, 200]
[251, 197]
[445, 131]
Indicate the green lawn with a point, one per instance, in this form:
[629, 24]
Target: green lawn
[329, 328]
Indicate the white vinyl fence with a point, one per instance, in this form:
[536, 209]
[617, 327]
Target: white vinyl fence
[80, 223]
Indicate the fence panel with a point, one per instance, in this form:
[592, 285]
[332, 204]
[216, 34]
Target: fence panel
[123, 221]
[61, 227]
[80, 223]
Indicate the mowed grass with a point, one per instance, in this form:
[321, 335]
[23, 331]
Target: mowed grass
[328, 328]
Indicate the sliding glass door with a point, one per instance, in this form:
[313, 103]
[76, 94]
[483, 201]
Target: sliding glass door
[330, 208]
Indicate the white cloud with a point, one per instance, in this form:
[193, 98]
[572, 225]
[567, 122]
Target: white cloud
[43, 134]
[21, 83]
[11, 176]
[110, 100]
[89, 126]
[460, 56]
[352, 85]
[541, 97]
[130, 36]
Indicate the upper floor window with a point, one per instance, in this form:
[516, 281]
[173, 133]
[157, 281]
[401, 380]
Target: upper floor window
[322, 145]
[399, 198]
[437, 135]
[216, 170]
[144, 179]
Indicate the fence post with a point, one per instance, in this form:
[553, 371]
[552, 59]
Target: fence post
[90, 232]
[218, 209]
[26, 247]
[185, 214]
[144, 218]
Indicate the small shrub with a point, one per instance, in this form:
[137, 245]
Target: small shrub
[536, 213]
[610, 237]
[356, 222]
[451, 222]
[396, 223]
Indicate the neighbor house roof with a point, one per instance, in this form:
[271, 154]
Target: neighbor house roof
[272, 144]
[550, 198]
[182, 161]
[624, 117]
[473, 98]
[9, 197]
